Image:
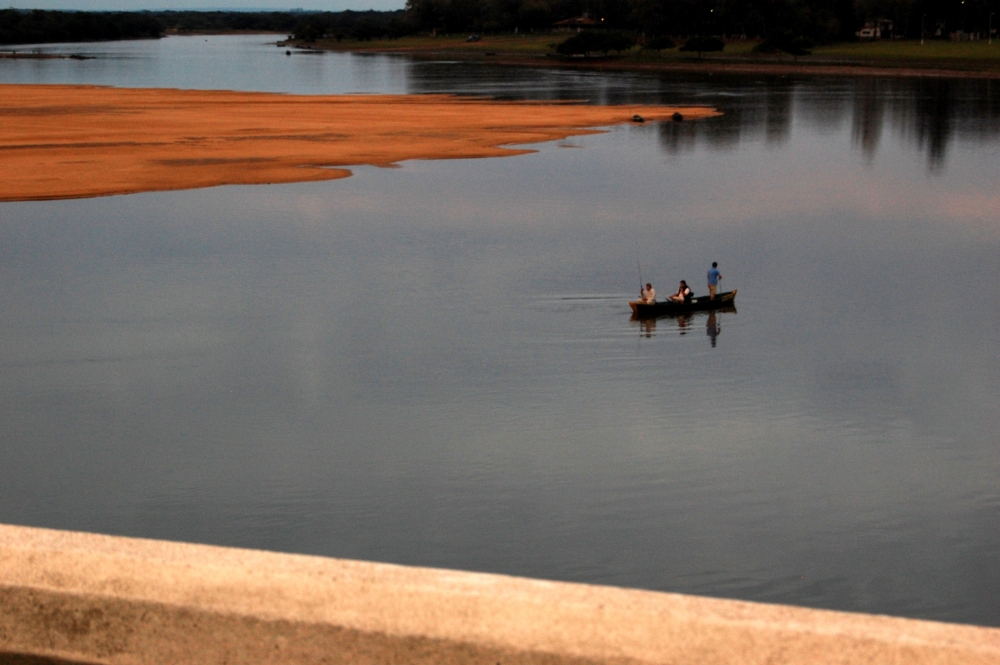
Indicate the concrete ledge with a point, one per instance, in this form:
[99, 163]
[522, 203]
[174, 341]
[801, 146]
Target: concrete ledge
[75, 598]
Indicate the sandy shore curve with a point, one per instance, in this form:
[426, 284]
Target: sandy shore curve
[62, 142]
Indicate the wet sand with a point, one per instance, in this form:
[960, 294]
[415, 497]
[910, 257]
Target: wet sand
[60, 142]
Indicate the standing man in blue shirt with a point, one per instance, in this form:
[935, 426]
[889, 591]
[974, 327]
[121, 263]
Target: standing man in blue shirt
[713, 280]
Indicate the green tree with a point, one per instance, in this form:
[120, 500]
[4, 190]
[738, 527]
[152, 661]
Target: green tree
[592, 41]
[658, 43]
[701, 45]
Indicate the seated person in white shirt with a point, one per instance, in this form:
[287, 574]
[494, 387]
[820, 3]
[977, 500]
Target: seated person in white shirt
[648, 294]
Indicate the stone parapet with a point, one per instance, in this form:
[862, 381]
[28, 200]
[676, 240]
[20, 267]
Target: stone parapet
[69, 597]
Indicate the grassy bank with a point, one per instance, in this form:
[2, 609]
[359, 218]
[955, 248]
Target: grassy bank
[909, 51]
[536, 49]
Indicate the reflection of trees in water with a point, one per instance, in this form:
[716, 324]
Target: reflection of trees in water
[868, 114]
[934, 112]
[778, 113]
[929, 121]
[750, 110]
[928, 114]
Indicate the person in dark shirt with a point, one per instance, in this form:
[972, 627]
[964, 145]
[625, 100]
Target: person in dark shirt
[683, 293]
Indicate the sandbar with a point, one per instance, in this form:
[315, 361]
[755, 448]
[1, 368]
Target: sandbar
[62, 142]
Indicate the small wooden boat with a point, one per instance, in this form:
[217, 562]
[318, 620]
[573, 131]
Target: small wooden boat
[699, 304]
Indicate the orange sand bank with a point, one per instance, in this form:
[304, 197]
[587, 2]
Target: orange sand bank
[59, 142]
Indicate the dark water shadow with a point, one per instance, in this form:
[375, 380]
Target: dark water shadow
[928, 115]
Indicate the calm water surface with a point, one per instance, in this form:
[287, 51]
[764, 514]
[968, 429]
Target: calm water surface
[435, 365]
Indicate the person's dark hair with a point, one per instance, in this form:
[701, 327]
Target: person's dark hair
[684, 283]
[715, 264]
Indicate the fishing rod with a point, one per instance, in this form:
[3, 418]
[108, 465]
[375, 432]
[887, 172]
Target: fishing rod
[638, 243]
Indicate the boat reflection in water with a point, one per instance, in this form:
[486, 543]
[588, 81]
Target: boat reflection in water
[685, 322]
[712, 327]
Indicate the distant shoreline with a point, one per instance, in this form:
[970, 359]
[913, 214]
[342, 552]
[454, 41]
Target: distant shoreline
[497, 50]
[31, 55]
[534, 51]
[767, 69]
[172, 32]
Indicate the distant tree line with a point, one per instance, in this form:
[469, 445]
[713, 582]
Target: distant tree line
[194, 21]
[790, 25]
[305, 26]
[779, 20]
[936, 17]
[354, 25]
[500, 15]
[822, 19]
[37, 26]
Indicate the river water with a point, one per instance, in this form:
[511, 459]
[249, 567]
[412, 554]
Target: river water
[436, 365]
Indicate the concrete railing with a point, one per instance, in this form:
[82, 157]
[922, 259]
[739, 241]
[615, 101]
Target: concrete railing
[81, 598]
